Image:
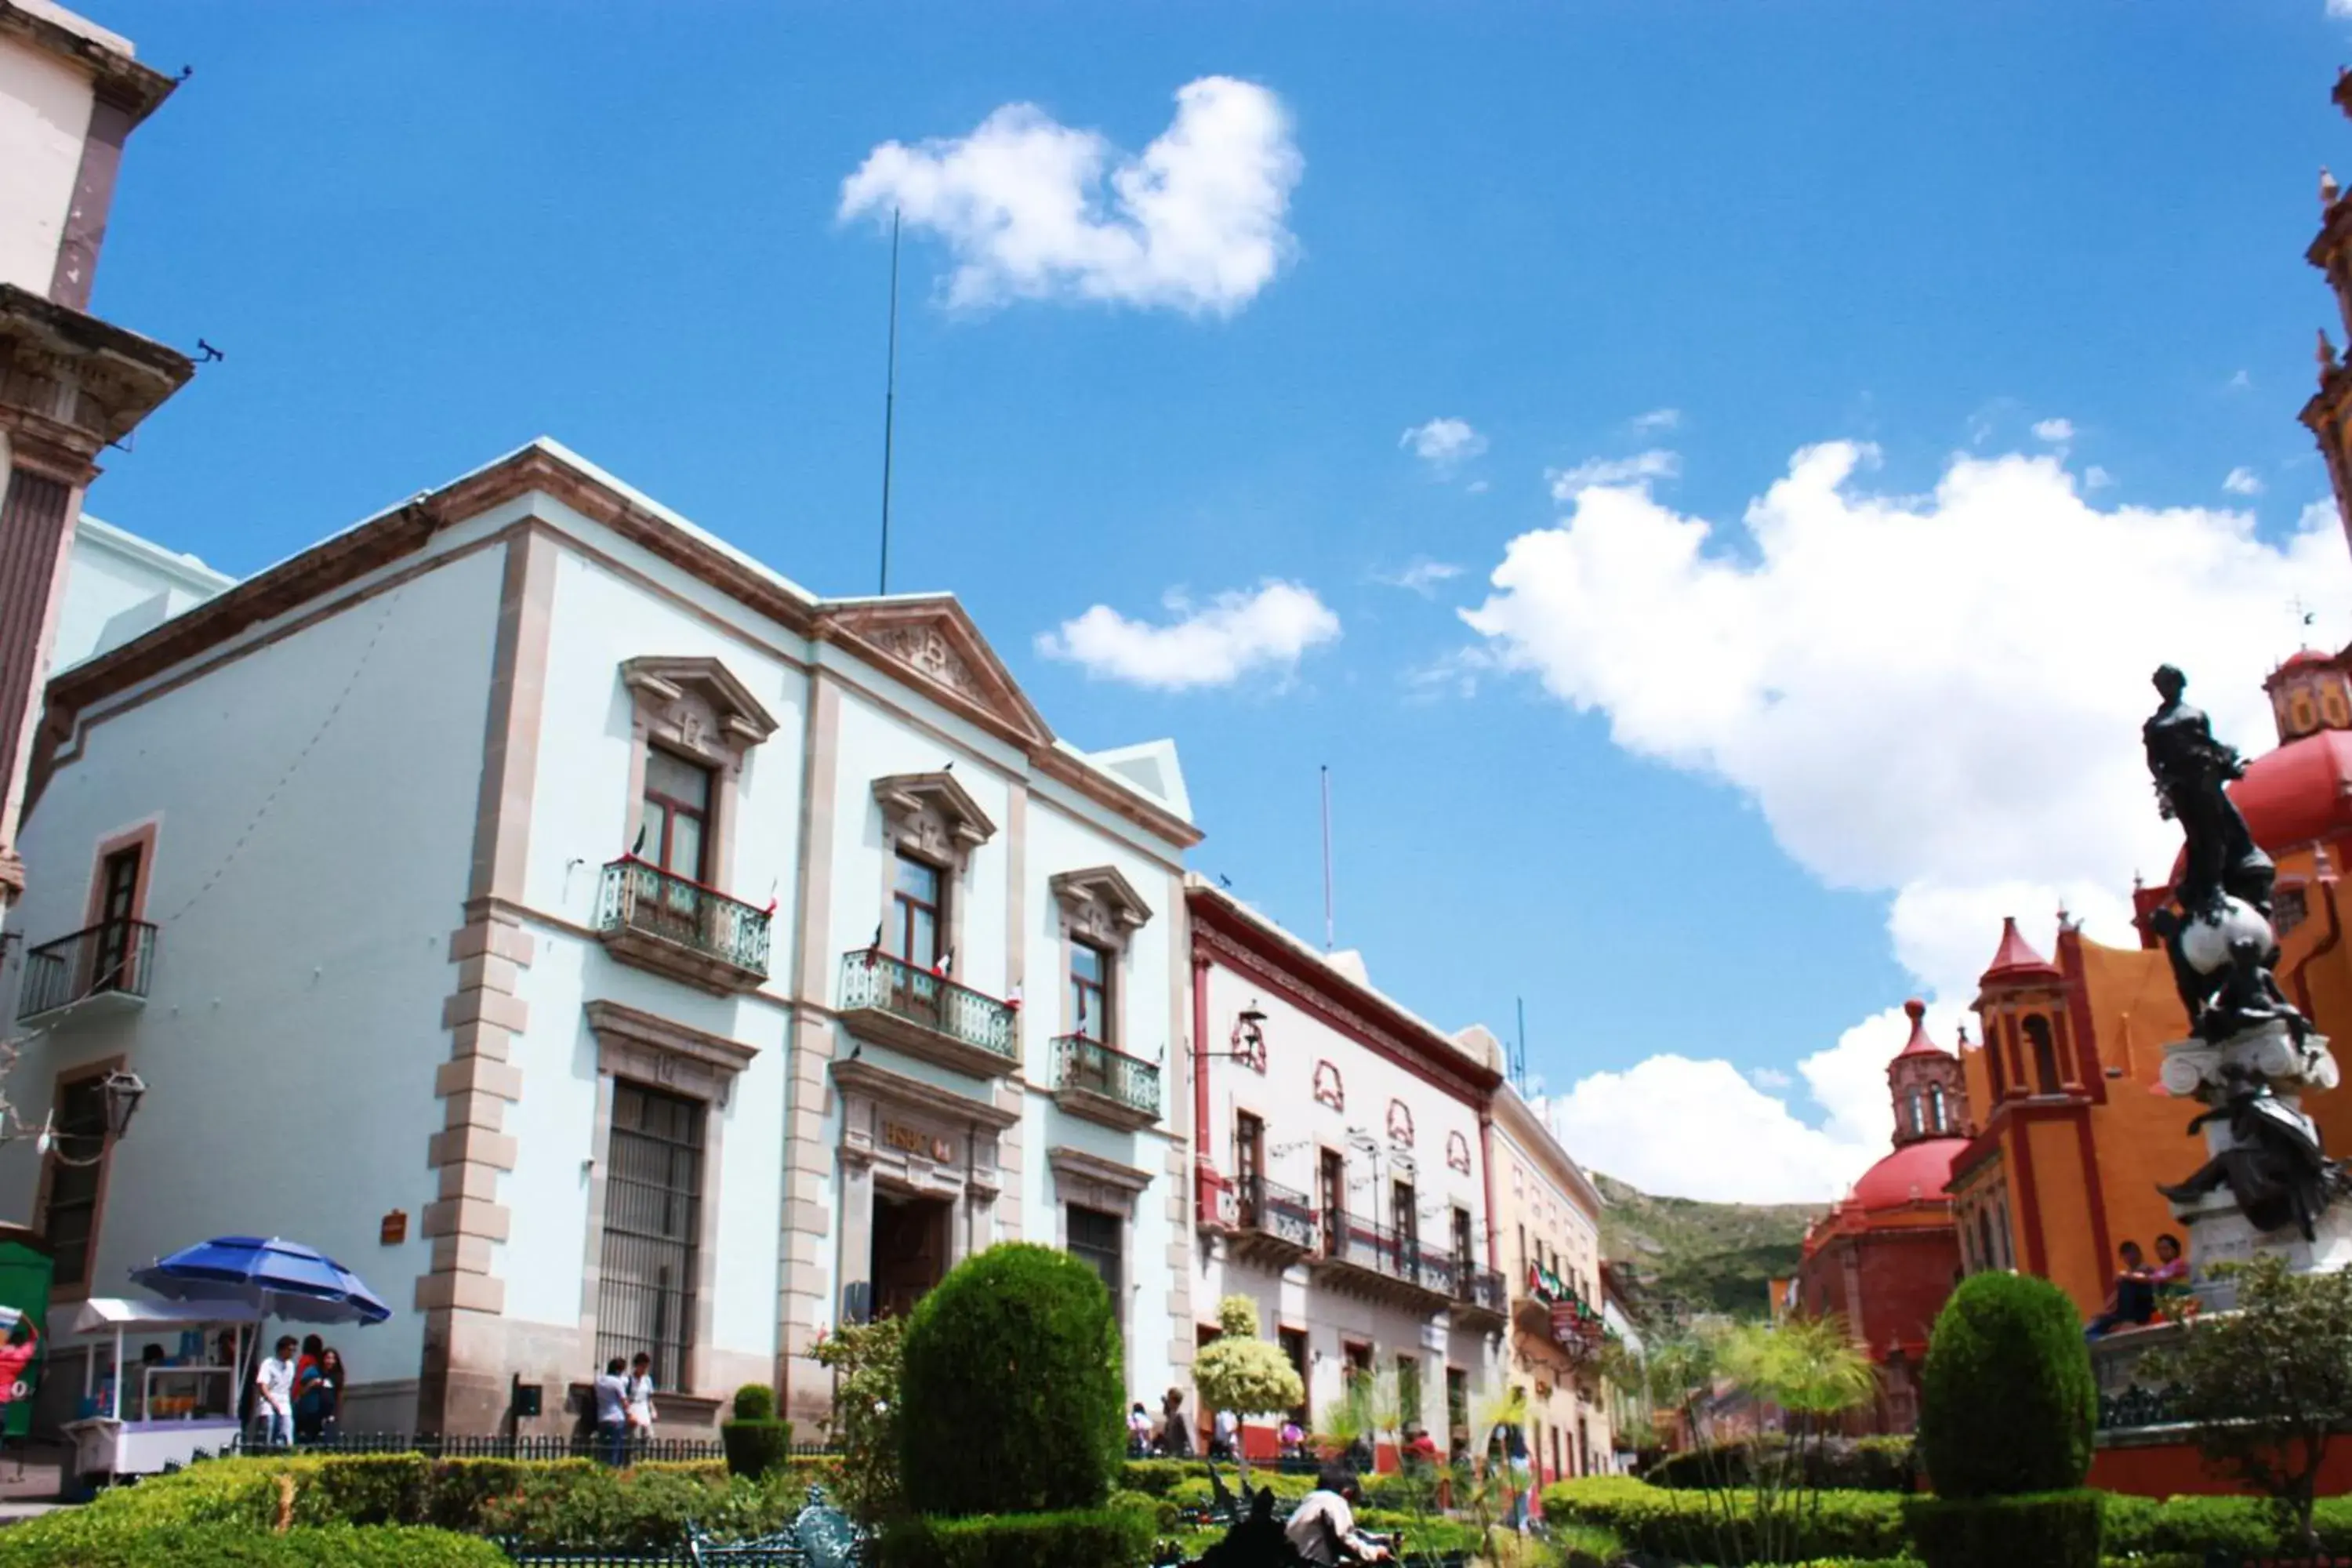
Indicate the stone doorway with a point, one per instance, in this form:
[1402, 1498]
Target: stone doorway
[910, 1249]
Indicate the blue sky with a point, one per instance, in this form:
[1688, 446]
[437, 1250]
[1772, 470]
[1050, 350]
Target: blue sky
[2040, 265]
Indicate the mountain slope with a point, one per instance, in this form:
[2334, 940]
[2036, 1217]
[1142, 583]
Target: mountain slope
[1713, 1257]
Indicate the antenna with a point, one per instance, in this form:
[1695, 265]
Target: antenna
[1519, 1052]
[889, 401]
[1327, 858]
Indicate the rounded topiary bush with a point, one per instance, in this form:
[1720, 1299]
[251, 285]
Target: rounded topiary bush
[1009, 1388]
[2007, 1402]
[755, 1442]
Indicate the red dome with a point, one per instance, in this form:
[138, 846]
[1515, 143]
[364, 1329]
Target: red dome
[2299, 793]
[1917, 1173]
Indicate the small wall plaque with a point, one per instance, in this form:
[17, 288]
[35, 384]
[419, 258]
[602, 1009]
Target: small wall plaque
[395, 1228]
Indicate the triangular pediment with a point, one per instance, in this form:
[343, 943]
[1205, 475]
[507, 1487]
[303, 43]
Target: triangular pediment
[931, 641]
[665, 679]
[1105, 886]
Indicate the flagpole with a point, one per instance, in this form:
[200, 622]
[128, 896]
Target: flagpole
[889, 401]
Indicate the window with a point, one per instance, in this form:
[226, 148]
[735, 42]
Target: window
[70, 1222]
[1355, 1362]
[1090, 969]
[1918, 1115]
[647, 1292]
[1408, 1389]
[1094, 1239]
[675, 833]
[1294, 1350]
[117, 903]
[917, 905]
[1249, 1162]
[1523, 1252]
[1935, 1112]
[1457, 1402]
[1463, 1250]
[1403, 1219]
[1331, 1177]
[2045, 1054]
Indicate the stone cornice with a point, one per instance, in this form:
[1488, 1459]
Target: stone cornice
[884, 1084]
[623, 1022]
[1094, 1168]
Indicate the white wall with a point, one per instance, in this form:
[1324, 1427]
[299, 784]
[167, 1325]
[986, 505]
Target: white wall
[310, 866]
[120, 587]
[45, 107]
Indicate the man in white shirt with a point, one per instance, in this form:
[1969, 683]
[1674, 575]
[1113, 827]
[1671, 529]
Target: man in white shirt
[1323, 1528]
[273, 1383]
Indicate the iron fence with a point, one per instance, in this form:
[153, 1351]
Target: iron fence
[637, 895]
[114, 957]
[565, 1446]
[1081, 1062]
[1397, 1254]
[889, 984]
[1481, 1287]
[1274, 1209]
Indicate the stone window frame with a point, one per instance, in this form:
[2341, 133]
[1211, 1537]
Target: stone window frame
[693, 1063]
[1089, 1181]
[67, 1077]
[932, 818]
[695, 707]
[1098, 906]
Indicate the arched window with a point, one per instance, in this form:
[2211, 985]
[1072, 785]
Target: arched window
[2045, 1054]
[1984, 1237]
[1917, 1125]
[1935, 1107]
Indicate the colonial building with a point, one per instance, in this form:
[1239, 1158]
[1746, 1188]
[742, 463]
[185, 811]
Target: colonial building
[601, 943]
[1343, 1178]
[1886, 1254]
[70, 383]
[1547, 1229]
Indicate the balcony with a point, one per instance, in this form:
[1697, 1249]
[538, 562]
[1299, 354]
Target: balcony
[1263, 1221]
[889, 1000]
[1383, 1265]
[666, 923]
[89, 973]
[1480, 1298]
[1092, 1080]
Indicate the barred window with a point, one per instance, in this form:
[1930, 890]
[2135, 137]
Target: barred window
[652, 1221]
[1095, 1238]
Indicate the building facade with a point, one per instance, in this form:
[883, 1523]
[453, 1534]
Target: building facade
[600, 943]
[1343, 1176]
[1547, 1232]
[1887, 1255]
[70, 383]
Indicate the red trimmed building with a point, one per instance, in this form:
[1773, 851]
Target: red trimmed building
[1887, 1254]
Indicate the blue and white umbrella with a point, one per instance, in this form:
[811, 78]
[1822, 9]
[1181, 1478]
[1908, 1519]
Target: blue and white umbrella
[280, 1278]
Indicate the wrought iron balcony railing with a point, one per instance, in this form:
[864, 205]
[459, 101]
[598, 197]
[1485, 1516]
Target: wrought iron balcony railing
[871, 978]
[1480, 1288]
[1398, 1254]
[1275, 1210]
[1082, 1063]
[109, 960]
[639, 897]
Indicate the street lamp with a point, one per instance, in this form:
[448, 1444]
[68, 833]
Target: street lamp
[1248, 1039]
[121, 1091]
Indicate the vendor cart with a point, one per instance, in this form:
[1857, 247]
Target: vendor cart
[144, 1414]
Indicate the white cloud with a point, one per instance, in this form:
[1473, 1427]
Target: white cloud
[1444, 444]
[2243, 480]
[2054, 430]
[2240, 381]
[1771, 1080]
[1638, 470]
[2095, 478]
[1236, 633]
[2339, 9]
[1656, 421]
[1032, 209]
[1477, 486]
[1423, 575]
[1912, 712]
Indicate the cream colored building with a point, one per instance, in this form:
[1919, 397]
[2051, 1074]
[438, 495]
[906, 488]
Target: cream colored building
[1548, 1235]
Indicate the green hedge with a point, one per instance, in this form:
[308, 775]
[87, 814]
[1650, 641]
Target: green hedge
[76, 1536]
[1845, 1464]
[2043, 1529]
[1010, 1391]
[1079, 1538]
[1695, 1526]
[2007, 1402]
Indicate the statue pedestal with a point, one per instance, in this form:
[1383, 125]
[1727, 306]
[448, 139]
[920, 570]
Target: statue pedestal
[2219, 1233]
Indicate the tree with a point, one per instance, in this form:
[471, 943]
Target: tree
[1242, 1372]
[863, 1359]
[2269, 1383]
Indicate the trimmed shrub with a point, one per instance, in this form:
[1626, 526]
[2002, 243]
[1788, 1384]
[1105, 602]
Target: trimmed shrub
[1841, 1464]
[1077, 1537]
[75, 1536]
[1009, 1396]
[1162, 1509]
[1712, 1527]
[2008, 1405]
[2039, 1530]
[756, 1442]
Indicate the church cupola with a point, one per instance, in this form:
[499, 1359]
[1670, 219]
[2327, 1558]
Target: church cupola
[1931, 1099]
[2310, 692]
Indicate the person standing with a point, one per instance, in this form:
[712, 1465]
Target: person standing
[1224, 1435]
[273, 1395]
[641, 1399]
[613, 1412]
[1175, 1436]
[307, 1376]
[331, 1378]
[1138, 1432]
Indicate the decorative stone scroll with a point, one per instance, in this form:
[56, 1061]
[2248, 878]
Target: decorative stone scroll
[1328, 1090]
[932, 816]
[1101, 905]
[698, 706]
[1400, 1125]
[1457, 1153]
